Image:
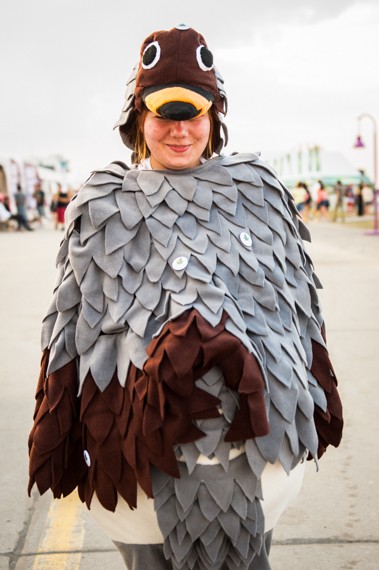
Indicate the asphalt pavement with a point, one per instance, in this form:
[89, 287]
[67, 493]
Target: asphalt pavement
[333, 524]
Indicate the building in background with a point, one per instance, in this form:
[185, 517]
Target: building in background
[49, 171]
[310, 164]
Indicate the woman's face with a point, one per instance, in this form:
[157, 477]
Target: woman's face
[176, 145]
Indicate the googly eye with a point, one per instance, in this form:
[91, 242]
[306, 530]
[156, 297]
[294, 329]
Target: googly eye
[204, 58]
[151, 55]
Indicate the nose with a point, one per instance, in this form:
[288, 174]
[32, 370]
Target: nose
[179, 128]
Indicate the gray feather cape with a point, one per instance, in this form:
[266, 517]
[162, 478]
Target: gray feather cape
[224, 240]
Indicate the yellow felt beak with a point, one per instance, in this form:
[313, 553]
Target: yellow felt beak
[156, 99]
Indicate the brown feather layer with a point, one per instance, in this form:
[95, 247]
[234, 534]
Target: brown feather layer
[126, 430]
[329, 424]
[55, 441]
[186, 349]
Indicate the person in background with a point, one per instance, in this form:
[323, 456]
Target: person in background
[12, 217]
[5, 215]
[350, 198]
[322, 203]
[39, 196]
[359, 200]
[22, 217]
[307, 204]
[339, 206]
[60, 201]
[185, 376]
[368, 197]
[300, 196]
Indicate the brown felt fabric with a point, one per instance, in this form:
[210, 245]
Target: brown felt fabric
[156, 409]
[55, 443]
[329, 424]
[177, 64]
[127, 430]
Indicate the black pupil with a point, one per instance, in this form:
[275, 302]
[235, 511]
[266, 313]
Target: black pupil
[149, 55]
[206, 57]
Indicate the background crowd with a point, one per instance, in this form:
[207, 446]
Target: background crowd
[320, 202]
[26, 211]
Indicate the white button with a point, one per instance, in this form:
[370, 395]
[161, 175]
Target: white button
[182, 27]
[246, 239]
[87, 458]
[180, 263]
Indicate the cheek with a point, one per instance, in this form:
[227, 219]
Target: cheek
[152, 133]
[204, 129]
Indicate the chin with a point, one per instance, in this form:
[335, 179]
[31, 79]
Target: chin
[181, 163]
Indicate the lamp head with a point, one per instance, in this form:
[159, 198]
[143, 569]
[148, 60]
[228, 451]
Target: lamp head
[359, 142]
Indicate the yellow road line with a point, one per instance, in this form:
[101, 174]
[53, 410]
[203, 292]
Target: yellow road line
[63, 534]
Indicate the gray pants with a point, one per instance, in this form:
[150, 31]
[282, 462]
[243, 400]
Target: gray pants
[151, 557]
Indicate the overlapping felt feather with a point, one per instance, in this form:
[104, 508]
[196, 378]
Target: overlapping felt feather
[122, 301]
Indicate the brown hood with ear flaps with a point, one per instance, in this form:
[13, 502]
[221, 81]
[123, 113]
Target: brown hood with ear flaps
[174, 58]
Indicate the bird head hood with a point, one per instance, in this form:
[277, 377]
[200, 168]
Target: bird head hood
[175, 78]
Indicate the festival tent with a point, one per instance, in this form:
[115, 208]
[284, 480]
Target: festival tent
[315, 163]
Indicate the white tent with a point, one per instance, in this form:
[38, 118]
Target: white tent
[27, 171]
[312, 164]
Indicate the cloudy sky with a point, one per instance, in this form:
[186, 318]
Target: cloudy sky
[297, 72]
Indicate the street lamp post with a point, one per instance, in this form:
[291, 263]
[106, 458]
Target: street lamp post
[360, 144]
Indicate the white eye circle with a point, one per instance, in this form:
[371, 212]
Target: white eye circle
[204, 58]
[151, 55]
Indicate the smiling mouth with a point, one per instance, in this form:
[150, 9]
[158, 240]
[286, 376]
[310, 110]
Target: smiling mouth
[179, 147]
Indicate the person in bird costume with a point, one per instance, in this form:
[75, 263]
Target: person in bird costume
[185, 377]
